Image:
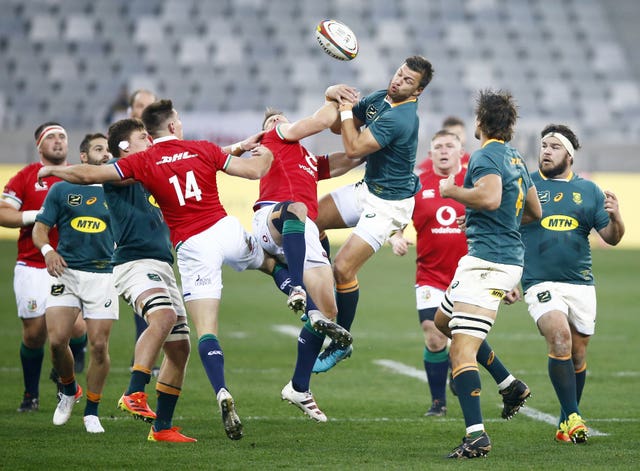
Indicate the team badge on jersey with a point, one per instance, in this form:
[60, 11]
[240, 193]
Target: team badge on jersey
[544, 196]
[371, 111]
[577, 198]
[74, 200]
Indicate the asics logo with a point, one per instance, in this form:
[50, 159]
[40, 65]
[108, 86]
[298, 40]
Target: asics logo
[167, 159]
[214, 352]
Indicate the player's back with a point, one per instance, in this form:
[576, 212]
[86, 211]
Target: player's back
[494, 235]
[181, 175]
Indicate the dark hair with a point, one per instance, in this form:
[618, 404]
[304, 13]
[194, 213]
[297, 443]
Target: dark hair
[450, 121]
[496, 112]
[156, 115]
[121, 131]
[268, 113]
[444, 132]
[133, 96]
[422, 66]
[85, 144]
[565, 131]
[41, 128]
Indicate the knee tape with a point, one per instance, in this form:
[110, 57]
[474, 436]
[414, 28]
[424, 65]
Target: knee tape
[155, 302]
[180, 331]
[285, 215]
[470, 324]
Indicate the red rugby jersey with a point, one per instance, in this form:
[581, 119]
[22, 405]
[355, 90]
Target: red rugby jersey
[440, 243]
[28, 194]
[181, 175]
[294, 173]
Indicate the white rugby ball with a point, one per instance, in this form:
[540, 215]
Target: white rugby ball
[337, 40]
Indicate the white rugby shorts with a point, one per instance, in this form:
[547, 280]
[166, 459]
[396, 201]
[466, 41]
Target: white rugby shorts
[200, 257]
[133, 278]
[483, 283]
[375, 219]
[577, 302]
[428, 297]
[93, 293]
[315, 254]
[31, 287]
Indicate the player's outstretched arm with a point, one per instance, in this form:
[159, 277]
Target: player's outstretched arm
[83, 174]
[322, 119]
[253, 167]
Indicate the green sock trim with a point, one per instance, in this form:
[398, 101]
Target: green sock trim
[292, 226]
[279, 266]
[307, 325]
[476, 434]
[436, 357]
[78, 340]
[207, 337]
[31, 352]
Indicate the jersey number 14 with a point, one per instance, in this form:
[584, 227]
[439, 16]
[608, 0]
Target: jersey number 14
[191, 189]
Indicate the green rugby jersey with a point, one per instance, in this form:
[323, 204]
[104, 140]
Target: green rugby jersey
[81, 214]
[557, 247]
[494, 235]
[138, 226]
[389, 171]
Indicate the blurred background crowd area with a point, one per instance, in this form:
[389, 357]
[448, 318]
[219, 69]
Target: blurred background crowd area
[223, 61]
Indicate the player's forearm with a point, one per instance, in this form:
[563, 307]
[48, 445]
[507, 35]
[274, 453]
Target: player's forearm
[613, 232]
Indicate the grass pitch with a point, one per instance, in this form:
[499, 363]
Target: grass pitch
[375, 400]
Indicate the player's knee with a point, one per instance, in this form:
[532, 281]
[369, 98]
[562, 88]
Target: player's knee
[342, 271]
[179, 332]
[99, 348]
[559, 344]
[297, 209]
[154, 303]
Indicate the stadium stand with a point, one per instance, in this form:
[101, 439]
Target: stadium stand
[68, 59]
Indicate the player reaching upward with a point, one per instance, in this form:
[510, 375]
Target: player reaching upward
[289, 197]
[383, 202]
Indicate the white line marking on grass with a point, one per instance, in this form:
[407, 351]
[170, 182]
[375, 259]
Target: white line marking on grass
[289, 330]
[530, 412]
[293, 331]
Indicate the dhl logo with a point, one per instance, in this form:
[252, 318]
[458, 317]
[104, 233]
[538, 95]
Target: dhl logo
[88, 224]
[559, 222]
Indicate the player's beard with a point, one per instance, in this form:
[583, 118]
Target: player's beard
[558, 169]
[55, 157]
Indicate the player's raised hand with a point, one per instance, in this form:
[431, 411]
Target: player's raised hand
[342, 93]
[611, 203]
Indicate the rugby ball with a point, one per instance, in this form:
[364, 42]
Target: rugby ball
[337, 40]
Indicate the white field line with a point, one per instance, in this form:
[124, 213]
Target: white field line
[405, 370]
